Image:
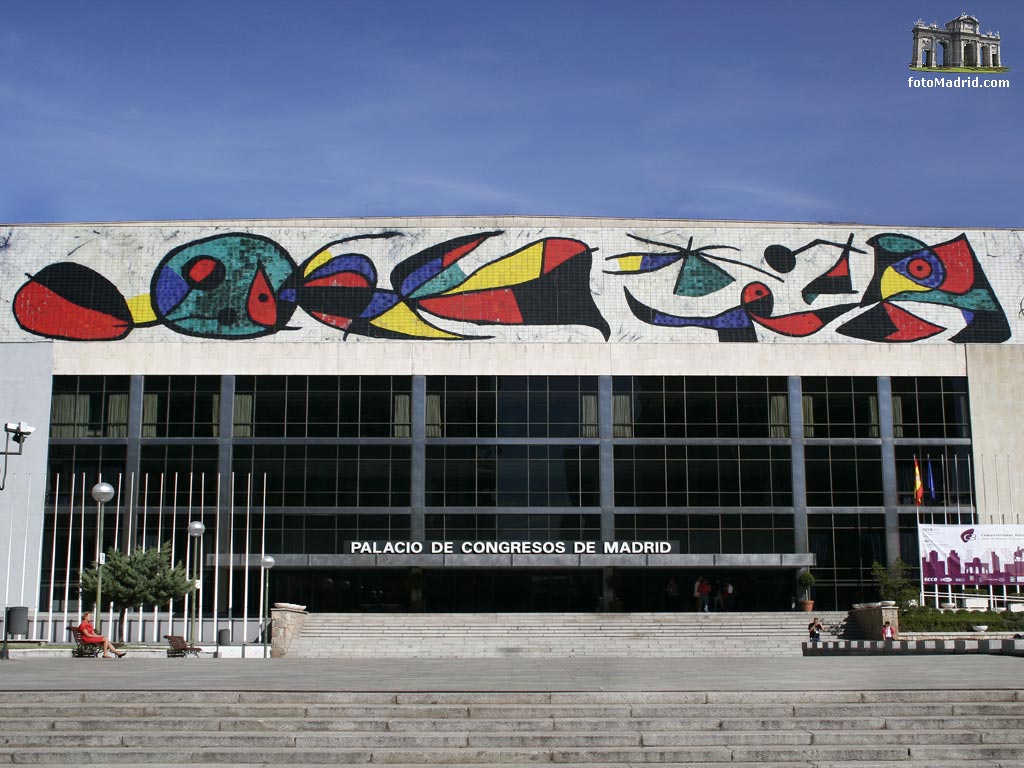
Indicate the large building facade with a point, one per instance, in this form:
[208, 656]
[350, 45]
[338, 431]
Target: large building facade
[516, 396]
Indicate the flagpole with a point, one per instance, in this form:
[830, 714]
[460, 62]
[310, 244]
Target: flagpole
[159, 543]
[174, 532]
[53, 561]
[956, 472]
[199, 562]
[1009, 489]
[216, 564]
[81, 547]
[189, 596]
[71, 537]
[970, 489]
[945, 489]
[145, 528]
[24, 544]
[263, 555]
[117, 531]
[999, 493]
[245, 577]
[231, 560]
[10, 545]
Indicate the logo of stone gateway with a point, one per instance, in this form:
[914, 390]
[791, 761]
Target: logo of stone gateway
[968, 535]
[959, 46]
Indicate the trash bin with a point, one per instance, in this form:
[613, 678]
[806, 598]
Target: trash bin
[16, 622]
[223, 637]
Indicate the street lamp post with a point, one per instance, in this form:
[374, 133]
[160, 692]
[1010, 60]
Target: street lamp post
[265, 565]
[101, 493]
[196, 529]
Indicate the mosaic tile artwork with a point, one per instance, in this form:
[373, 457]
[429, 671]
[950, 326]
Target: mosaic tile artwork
[724, 283]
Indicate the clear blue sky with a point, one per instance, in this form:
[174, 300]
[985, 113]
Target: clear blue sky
[743, 109]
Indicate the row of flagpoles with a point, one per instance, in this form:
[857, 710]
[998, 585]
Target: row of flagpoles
[137, 517]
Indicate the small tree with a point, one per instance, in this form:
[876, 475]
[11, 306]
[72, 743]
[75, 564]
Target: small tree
[143, 577]
[806, 581]
[894, 583]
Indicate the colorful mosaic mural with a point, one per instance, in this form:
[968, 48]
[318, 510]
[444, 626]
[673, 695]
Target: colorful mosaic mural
[882, 288]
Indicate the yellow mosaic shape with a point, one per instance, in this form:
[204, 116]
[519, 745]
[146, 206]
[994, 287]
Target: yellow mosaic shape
[518, 267]
[401, 319]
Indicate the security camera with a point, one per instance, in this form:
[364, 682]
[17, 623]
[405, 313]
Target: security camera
[19, 430]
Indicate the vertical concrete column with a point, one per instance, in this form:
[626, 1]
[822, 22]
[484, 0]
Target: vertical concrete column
[798, 469]
[418, 471]
[607, 478]
[889, 498]
[131, 465]
[225, 432]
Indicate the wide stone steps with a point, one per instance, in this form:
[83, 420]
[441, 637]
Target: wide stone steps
[377, 635]
[795, 728]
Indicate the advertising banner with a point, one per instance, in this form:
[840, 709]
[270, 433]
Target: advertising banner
[973, 555]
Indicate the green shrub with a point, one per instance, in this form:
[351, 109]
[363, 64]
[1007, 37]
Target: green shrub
[894, 583]
[925, 619]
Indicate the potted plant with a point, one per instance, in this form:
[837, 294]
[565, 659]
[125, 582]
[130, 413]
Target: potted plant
[806, 581]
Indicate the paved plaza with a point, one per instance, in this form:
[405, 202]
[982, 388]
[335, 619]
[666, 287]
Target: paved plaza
[959, 672]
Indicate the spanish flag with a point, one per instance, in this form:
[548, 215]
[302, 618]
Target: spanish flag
[918, 486]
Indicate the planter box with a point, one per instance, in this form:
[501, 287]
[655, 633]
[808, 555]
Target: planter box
[975, 603]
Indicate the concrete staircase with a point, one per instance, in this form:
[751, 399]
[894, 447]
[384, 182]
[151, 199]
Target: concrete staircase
[474, 635]
[794, 729]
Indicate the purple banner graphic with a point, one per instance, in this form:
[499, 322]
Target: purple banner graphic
[974, 555]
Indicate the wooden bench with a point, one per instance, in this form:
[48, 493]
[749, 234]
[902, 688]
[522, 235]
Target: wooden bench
[82, 649]
[179, 648]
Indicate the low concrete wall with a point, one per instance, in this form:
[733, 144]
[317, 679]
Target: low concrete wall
[287, 623]
[872, 619]
[1006, 646]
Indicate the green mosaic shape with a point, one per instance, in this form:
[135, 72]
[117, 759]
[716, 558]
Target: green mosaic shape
[447, 280]
[699, 277]
[900, 243]
[978, 299]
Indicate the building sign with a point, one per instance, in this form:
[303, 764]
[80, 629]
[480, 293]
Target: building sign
[512, 547]
[972, 554]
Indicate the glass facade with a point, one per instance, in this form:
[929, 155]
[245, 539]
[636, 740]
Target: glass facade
[715, 464]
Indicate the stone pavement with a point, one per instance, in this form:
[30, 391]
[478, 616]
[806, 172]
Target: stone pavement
[519, 674]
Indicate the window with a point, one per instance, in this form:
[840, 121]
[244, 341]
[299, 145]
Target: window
[703, 476]
[323, 406]
[512, 475]
[930, 407]
[840, 406]
[512, 406]
[67, 464]
[513, 527]
[89, 406]
[323, 475]
[181, 406]
[946, 475]
[844, 475]
[699, 406]
[170, 474]
[845, 547]
[711, 533]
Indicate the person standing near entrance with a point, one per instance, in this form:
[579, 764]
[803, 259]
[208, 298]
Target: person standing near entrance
[704, 593]
[696, 593]
[672, 594]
